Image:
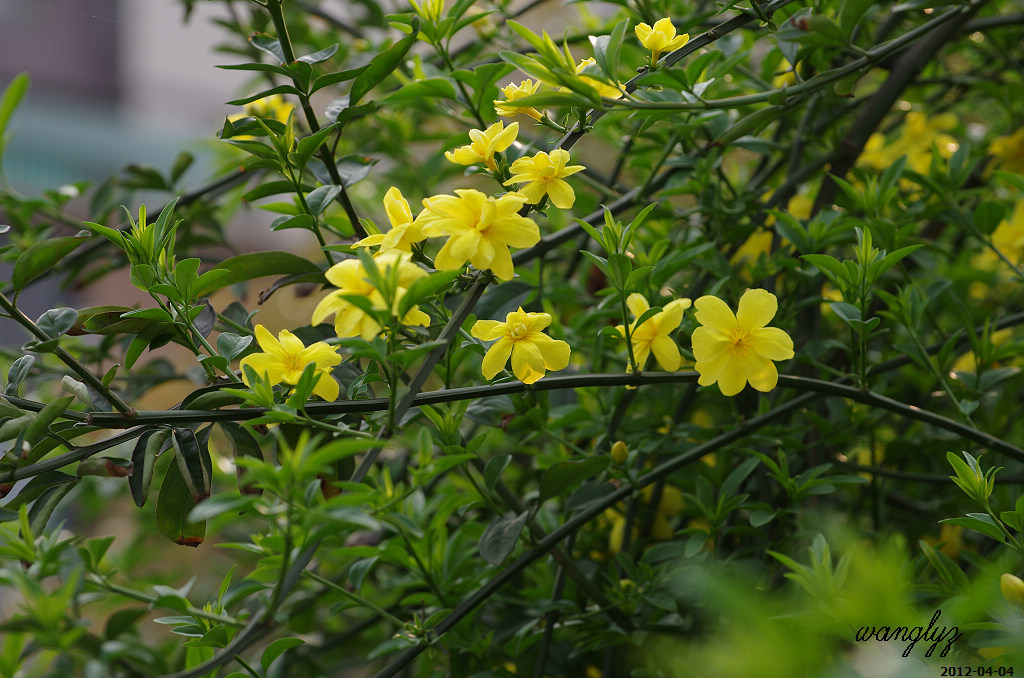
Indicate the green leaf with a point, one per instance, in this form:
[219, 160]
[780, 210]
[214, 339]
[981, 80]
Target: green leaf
[493, 469]
[147, 448]
[305, 221]
[429, 89]
[268, 44]
[276, 649]
[319, 56]
[280, 89]
[987, 527]
[57, 321]
[13, 94]
[382, 65]
[423, 289]
[831, 267]
[232, 345]
[500, 537]
[308, 145]
[172, 508]
[39, 425]
[561, 477]
[44, 506]
[319, 198]
[258, 67]
[38, 486]
[219, 504]
[194, 463]
[17, 372]
[329, 79]
[43, 256]
[256, 265]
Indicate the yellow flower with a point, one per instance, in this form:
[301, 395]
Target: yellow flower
[404, 231]
[521, 337]
[603, 89]
[785, 76]
[661, 38]
[1008, 237]
[915, 138]
[734, 349]
[285, 358]
[484, 145]
[1012, 588]
[512, 92]
[1008, 152]
[655, 334]
[351, 278]
[542, 175]
[481, 229]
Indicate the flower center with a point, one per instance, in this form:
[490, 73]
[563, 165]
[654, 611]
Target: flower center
[739, 342]
[518, 330]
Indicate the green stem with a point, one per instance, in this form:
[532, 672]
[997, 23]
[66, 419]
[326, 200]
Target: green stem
[362, 602]
[277, 16]
[78, 368]
[152, 599]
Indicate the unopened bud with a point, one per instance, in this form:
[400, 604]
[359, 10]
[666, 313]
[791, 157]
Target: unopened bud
[1013, 589]
[619, 452]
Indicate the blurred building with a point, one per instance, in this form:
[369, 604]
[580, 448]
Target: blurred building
[112, 82]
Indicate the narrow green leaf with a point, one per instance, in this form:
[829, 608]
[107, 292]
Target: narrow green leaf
[256, 265]
[280, 89]
[43, 256]
[276, 649]
[13, 94]
[193, 461]
[37, 428]
[382, 65]
[147, 448]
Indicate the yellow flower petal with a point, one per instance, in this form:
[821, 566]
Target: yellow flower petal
[714, 312]
[496, 357]
[756, 309]
[527, 362]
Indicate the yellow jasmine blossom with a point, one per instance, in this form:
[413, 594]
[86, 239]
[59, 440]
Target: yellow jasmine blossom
[655, 334]
[285, 358]
[481, 229]
[484, 145]
[1008, 152]
[542, 174]
[785, 76]
[1008, 237]
[670, 506]
[404, 231]
[735, 349]
[661, 38]
[522, 337]
[603, 89]
[512, 92]
[351, 278]
[914, 140]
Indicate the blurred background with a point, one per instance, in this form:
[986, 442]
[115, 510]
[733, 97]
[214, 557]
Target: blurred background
[113, 82]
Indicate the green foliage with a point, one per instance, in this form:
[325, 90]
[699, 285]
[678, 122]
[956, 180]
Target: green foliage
[605, 517]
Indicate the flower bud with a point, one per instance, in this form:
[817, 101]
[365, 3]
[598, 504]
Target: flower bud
[1013, 589]
[619, 452]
